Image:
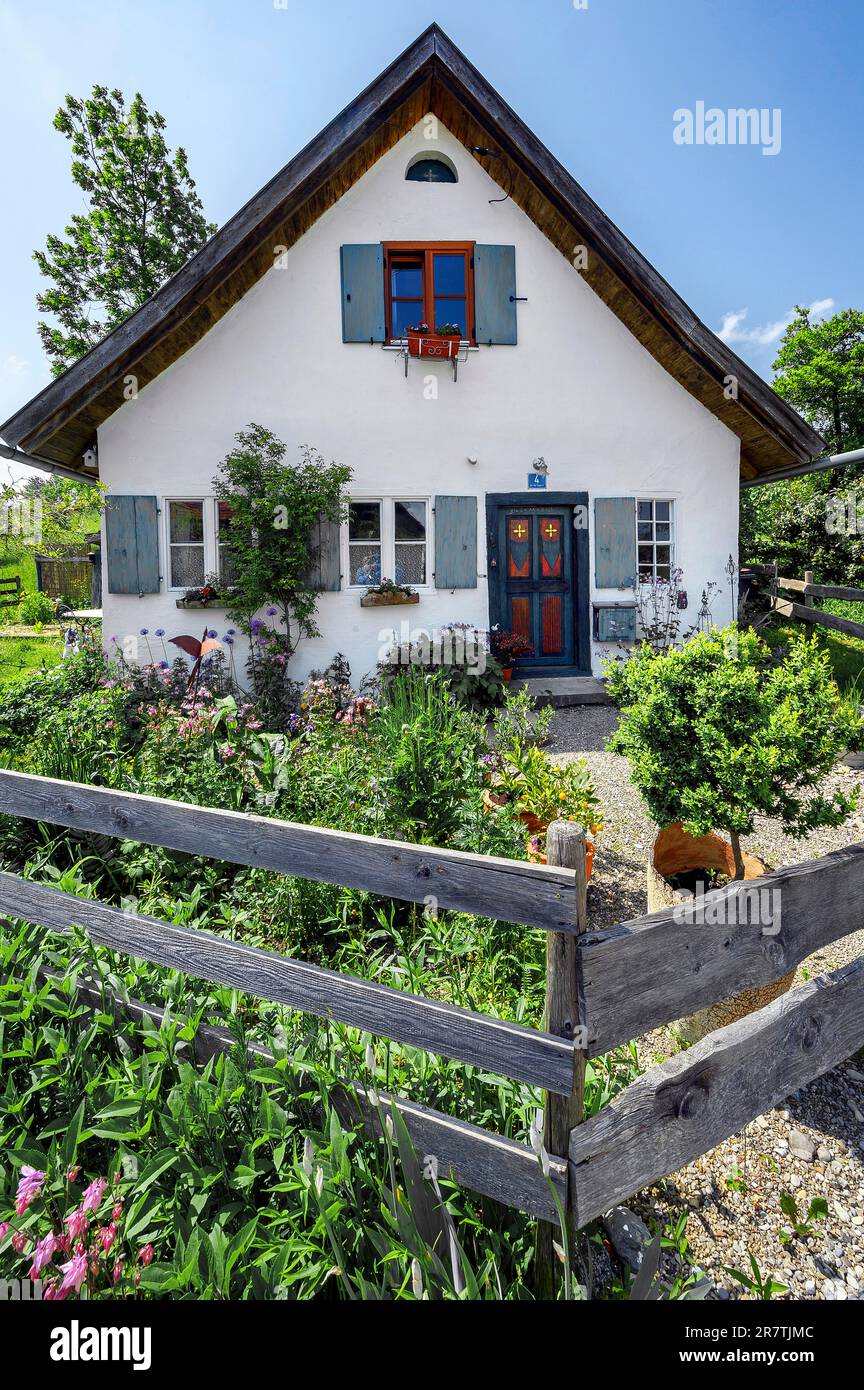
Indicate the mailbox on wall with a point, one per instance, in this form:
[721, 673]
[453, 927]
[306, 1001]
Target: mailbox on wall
[615, 622]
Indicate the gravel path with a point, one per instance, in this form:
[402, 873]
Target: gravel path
[810, 1147]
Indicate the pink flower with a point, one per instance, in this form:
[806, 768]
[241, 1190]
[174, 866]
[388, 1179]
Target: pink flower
[42, 1255]
[19, 1242]
[93, 1196]
[49, 1292]
[4, 1227]
[72, 1175]
[77, 1223]
[117, 1212]
[117, 1272]
[107, 1236]
[145, 1254]
[74, 1274]
[29, 1186]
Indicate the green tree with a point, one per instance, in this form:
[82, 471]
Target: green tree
[717, 733]
[143, 222]
[820, 371]
[274, 507]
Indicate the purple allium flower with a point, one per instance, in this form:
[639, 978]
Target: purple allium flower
[271, 611]
[160, 632]
[228, 639]
[163, 666]
[113, 639]
[211, 632]
[255, 626]
[144, 631]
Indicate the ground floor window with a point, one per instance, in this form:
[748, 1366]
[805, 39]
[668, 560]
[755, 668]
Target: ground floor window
[655, 539]
[197, 530]
[186, 543]
[388, 539]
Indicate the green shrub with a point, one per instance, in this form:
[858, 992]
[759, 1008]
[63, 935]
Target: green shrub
[717, 733]
[36, 608]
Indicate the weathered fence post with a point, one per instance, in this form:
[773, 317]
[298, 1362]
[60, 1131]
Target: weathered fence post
[808, 598]
[565, 848]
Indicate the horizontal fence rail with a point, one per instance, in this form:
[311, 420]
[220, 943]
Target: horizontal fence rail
[686, 1106]
[640, 974]
[787, 609]
[507, 890]
[483, 1162]
[508, 1049]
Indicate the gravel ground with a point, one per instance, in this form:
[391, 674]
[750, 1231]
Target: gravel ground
[812, 1145]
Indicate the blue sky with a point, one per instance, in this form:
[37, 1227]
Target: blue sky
[243, 84]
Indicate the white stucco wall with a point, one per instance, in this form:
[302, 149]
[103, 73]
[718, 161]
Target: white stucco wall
[578, 390]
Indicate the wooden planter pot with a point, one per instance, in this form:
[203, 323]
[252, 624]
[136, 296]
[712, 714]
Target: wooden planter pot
[387, 600]
[675, 852]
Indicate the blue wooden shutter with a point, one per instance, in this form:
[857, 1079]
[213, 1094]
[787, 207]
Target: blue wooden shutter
[132, 545]
[326, 556]
[455, 542]
[495, 294]
[362, 293]
[615, 542]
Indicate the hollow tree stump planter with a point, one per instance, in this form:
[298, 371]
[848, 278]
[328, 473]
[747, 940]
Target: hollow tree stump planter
[676, 852]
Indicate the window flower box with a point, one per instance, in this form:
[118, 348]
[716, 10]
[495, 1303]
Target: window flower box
[423, 342]
[377, 599]
[200, 603]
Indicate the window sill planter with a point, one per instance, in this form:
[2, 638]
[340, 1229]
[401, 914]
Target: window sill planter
[387, 600]
[200, 603]
[433, 345]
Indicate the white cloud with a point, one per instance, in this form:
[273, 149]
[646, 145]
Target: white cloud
[14, 365]
[732, 328]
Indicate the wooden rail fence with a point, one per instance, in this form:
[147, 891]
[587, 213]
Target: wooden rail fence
[806, 611]
[603, 988]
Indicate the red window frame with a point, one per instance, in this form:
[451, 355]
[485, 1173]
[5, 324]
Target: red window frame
[427, 250]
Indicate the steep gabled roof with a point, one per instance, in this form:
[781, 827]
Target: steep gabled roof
[432, 75]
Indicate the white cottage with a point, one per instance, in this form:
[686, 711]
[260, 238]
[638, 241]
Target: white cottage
[588, 432]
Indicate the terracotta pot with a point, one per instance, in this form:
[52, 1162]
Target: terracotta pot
[676, 852]
[507, 674]
[493, 801]
[533, 824]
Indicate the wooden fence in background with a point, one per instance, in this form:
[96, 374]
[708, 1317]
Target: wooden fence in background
[603, 988]
[806, 611]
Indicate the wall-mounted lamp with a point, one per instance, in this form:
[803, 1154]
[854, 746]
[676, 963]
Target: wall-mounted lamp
[485, 153]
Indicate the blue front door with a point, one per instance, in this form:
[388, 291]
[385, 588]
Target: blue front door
[535, 582]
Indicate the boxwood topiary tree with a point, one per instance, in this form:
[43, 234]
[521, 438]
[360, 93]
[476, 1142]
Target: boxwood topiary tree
[717, 733]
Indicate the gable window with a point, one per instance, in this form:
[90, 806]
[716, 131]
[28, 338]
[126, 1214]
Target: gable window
[431, 170]
[186, 544]
[655, 539]
[429, 283]
[387, 539]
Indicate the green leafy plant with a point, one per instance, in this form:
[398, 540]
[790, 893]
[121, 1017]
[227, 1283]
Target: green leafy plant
[718, 732]
[36, 608]
[760, 1285]
[801, 1226]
